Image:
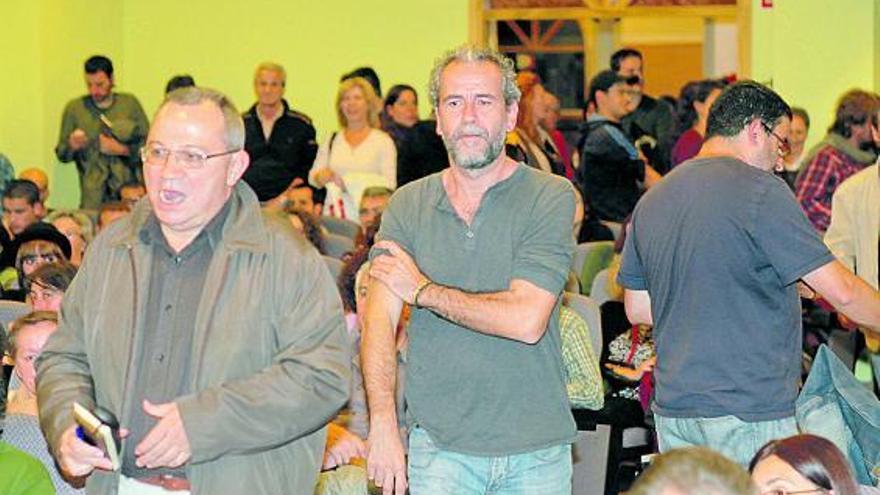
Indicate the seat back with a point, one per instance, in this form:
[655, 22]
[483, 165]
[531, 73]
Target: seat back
[589, 259]
[599, 291]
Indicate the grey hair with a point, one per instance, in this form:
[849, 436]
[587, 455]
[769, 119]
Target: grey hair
[86, 225]
[271, 67]
[471, 53]
[194, 95]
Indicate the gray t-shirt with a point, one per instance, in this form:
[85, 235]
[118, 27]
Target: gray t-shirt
[475, 393]
[719, 245]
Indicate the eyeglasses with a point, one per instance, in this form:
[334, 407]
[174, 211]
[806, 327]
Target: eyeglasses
[782, 491]
[783, 149]
[191, 158]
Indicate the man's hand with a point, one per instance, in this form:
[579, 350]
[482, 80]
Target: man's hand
[397, 271]
[386, 465]
[77, 458]
[342, 447]
[166, 445]
[110, 146]
[77, 139]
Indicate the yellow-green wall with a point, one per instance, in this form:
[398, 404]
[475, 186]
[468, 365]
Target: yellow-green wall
[812, 51]
[217, 41]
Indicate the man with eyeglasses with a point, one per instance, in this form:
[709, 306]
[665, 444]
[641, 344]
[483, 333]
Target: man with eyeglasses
[712, 260]
[611, 168]
[102, 132]
[213, 332]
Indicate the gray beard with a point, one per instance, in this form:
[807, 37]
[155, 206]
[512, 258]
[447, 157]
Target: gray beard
[494, 150]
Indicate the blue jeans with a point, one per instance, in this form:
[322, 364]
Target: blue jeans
[737, 439]
[440, 472]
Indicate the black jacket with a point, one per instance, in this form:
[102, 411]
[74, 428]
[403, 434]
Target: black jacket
[288, 154]
[656, 119]
[420, 151]
[610, 170]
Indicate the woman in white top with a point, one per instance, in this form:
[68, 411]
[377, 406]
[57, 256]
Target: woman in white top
[357, 157]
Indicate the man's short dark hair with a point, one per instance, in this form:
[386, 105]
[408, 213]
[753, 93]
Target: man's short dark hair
[99, 63]
[624, 53]
[180, 81]
[802, 113]
[22, 188]
[740, 104]
[603, 81]
[854, 108]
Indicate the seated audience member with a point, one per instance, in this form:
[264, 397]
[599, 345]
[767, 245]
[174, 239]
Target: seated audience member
[47, 284]
[693, 109]
[358, 156]
[527, 142]
[27, 337]
[301, 197]
[110, 212]
[420, 151]
[130, 193]
[583, 381]
[77, 227]
[179, 81]
[310, 226]
[802, 464]
[21, 474]
[373, 203]
[797, 137]
[38, 177]
[693, 471]
[557, 141]
[847, 148]
[37, 245]
[22, 206]
[610, 167]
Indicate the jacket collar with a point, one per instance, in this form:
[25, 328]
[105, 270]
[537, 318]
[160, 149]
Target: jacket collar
[244, 229]
[253, 109]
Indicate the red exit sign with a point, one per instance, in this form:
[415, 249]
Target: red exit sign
[767, 4]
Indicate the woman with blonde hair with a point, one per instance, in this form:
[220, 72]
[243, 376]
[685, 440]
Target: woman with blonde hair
[356, 157]
[77, 227]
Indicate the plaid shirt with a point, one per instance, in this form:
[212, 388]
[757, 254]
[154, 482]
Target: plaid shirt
[816, 184]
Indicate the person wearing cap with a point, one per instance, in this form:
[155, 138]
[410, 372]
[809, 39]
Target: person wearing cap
[280, 141]
[37, 245]
[611, 168]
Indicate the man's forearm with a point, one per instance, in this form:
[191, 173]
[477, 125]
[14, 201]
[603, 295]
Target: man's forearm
[513, 314]
[379, 354]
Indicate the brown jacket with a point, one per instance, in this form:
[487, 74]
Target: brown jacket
[270, 361]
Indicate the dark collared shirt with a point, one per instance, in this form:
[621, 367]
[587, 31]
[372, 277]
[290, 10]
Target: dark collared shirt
[164, 351]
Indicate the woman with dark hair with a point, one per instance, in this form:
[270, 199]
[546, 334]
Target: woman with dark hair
[802, 464]
[420, 151]
[693, 111]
